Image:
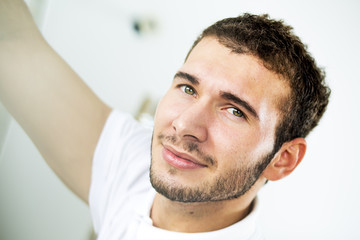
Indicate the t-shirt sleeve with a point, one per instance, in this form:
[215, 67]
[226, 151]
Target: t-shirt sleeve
[121, 161]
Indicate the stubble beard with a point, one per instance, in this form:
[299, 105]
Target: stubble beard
[229, 185]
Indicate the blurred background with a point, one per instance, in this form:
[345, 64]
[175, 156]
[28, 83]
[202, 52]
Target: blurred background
[128, 52]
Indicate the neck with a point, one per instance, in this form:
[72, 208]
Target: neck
[198, 217]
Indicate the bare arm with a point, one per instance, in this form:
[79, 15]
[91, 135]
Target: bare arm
[62, 116]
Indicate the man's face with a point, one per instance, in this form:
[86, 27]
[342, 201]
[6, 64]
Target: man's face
[215, 126]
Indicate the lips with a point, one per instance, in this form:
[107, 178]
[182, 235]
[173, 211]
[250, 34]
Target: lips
[180, 160]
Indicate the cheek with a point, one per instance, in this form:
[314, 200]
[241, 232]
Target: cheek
[241, 139]
[236, 147]
[159, 118]
[262, 147]
[167, 110]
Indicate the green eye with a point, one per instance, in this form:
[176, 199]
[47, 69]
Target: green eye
[188, 90]
[236, 112]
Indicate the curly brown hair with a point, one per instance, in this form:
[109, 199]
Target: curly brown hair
[282, 52]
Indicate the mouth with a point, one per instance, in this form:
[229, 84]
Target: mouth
[180, 160]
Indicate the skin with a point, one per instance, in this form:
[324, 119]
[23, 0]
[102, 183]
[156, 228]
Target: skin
[195, 112]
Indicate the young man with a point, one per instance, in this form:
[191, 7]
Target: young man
[235, 116]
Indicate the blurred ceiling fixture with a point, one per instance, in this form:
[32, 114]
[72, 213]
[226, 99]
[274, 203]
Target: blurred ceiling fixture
[145, 25]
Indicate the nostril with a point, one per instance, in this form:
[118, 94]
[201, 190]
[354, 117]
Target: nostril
[192, 137]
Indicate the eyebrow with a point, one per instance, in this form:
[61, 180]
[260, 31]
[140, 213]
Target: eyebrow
[188, 77]
[239, 101]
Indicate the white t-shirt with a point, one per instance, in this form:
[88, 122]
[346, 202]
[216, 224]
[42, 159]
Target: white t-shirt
[121, 195]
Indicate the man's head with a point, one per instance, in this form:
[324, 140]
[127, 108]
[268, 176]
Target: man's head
[282, 52]
[246, 96]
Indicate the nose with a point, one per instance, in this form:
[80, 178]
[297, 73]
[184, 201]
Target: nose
[192, 123]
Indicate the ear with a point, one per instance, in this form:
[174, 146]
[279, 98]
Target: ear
[286, 160]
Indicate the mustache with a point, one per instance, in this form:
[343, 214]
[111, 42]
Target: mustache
[190, 147]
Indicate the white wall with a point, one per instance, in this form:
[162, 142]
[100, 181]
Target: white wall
[318, 201]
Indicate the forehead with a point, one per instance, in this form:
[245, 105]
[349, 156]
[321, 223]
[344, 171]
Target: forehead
[218, 68]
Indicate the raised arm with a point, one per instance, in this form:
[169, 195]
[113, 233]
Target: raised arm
[62, 116]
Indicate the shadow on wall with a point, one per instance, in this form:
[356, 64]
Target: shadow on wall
[146, 112]
[5, 120]
[38, 9]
